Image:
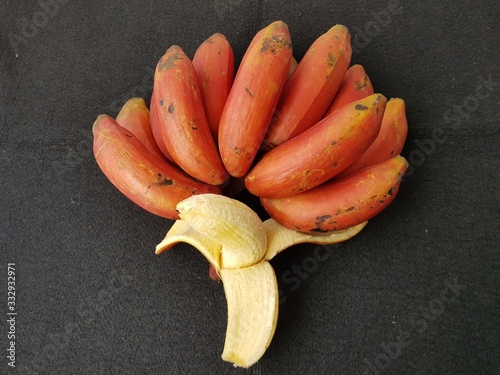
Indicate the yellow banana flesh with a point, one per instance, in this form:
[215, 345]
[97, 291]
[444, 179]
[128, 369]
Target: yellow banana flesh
[235, 225]
[239, 245]
[252, 302]
[280, 238]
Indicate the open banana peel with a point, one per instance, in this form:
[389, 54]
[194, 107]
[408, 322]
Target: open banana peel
[236, 242]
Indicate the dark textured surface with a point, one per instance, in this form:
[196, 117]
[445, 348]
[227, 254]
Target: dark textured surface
[92, 298]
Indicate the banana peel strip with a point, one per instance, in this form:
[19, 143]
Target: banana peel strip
[280, 238]
[183, 232]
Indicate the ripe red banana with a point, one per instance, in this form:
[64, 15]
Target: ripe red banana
[253, 97]
[312, 86]
[135, 117]
[337, 205]
[155, 127]
[390, 139]
[182, 119]
[151, 182]
[355, 85]
[214, 65]
[319, 153]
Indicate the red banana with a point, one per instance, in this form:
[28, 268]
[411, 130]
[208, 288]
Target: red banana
[337, 205]
[390, 139]
[312, 86]
[183, 124]
[149, 181]
[253, 97]
[214, 65]
[355, 85]
[319, 153]
[134, 116]
[155, 128]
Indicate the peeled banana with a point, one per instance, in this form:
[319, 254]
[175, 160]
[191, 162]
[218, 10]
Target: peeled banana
[252, 302]
[238, 245]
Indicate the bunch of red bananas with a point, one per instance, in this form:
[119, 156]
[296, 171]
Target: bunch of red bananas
[311, 139]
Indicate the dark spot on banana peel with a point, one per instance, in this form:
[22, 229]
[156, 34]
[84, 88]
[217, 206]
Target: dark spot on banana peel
[361, 107]
[275, 44]
[129, 135]
[361, 84]
[320, 220]
[162, 181]
[161, 102]
[171, 108]
[170, 61]
[323, 218]
[249, 92]
[331, 60]
[391, 191]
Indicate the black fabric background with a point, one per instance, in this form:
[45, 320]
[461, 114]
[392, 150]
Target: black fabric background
[92, 298]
